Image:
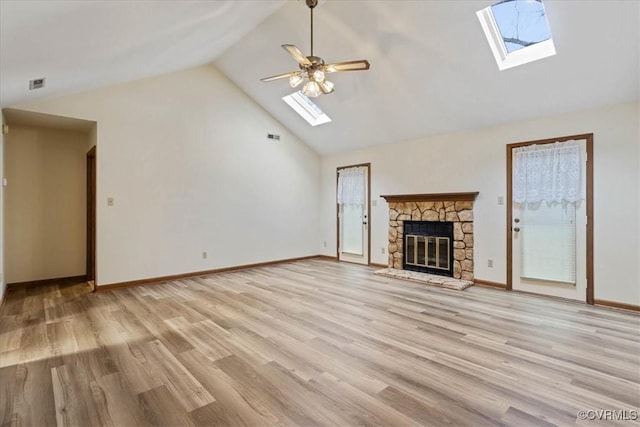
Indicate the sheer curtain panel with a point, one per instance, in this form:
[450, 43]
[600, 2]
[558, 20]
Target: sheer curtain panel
[549, 173]
[351, 186]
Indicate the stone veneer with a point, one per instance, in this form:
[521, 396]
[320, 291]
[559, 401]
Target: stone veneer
[458, 212]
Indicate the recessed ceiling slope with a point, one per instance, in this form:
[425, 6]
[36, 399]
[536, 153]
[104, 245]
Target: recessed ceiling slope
[434, 71]
[81, 45]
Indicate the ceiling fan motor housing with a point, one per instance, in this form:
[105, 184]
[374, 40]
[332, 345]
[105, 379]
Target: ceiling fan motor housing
[316, 62]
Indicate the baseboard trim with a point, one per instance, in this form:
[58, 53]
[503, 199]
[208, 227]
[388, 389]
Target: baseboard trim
[619, 305]
[69, 279]
[163, 279]
[378, 265]
[326, 257]
[490, 284]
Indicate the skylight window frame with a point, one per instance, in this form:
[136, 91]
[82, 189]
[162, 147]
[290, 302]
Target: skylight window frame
[306, 108]
[504, 59]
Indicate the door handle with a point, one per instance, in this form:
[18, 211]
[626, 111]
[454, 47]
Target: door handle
[364, 222]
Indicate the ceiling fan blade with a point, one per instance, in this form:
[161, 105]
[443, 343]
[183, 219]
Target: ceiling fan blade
[280, 76]
[297, 55]
[359, 65]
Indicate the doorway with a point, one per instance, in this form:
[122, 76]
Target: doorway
[91, 217]
[353, 190]
[550, 242]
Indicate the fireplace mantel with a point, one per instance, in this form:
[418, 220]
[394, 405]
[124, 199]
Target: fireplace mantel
[431, 197]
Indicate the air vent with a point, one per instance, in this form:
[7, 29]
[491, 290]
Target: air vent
[36, 83]
[273, 136]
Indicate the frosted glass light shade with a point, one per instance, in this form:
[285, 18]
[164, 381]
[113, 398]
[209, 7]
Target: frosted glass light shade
[295, 80]
[326, 86]
[311, 89]
[318, 76]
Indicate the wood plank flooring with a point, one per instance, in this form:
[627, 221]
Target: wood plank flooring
[311, 343]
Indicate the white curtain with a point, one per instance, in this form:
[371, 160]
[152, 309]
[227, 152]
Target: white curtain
[549, 172]
[351, 186]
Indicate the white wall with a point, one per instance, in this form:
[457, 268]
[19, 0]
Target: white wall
[476, 161]
[45, 217]
[186, 159]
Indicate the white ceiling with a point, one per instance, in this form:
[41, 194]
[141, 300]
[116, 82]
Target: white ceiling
[432, 71]
[81, 45]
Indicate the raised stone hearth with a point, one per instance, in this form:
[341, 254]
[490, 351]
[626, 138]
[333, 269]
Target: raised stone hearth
[429, 279]
[450, 207]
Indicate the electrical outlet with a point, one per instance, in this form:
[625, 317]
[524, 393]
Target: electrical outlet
[204, 255]
[490, 263]
[374, 203]
[325, 243]
[382, 250]
[500, 200]
[109, 201]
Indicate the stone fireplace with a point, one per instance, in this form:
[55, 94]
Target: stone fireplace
[418, 237]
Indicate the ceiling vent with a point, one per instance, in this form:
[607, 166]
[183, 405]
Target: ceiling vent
[36, 83]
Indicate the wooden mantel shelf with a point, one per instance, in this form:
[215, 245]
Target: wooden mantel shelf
[431, 197]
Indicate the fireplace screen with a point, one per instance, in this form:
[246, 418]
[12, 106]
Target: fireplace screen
[427, 251]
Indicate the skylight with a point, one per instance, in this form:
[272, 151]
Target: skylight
[306, 109]
[517, 31]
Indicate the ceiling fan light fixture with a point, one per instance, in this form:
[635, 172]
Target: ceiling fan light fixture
[318, 76]
[313, 69]
[295, 80]
[311, 89]
[326, 86]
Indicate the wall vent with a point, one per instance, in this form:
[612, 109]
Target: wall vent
[36, 83]
[273, 136]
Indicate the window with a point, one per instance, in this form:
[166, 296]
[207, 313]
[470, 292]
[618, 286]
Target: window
[517, 31]
[306, 108]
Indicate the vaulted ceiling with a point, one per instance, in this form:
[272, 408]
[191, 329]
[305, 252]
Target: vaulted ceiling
[432, 71]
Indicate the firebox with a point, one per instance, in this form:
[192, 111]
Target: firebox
[428, 247]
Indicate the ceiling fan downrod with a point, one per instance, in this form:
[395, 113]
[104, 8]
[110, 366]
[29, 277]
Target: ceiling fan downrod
[312, 4]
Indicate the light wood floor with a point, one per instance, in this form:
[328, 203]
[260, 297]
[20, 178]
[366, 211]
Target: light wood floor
[310, 343]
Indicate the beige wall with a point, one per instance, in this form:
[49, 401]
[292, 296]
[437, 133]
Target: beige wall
[476, 161]
[45, 203]
[3, 283]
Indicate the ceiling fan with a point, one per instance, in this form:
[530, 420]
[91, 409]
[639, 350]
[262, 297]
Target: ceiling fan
[313, 69]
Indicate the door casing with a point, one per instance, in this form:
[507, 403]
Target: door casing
[91, 216]
[368, 166]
